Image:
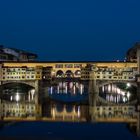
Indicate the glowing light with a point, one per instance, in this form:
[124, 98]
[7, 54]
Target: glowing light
[109, 88]
[53, 112]
[58, 89]
[60, 84]
[128, 84]
[124, 99]
[123, 93]
[66, 89]
[128, 95]
[11, 98]
[64, 84]
[71, 84]
[81, 89]
[17, 97]
[74, 90]
[103, 88]
[107, 97]
[32, 94]
[111, 98]
[51, 90]
[118, 90]
[78, 111]
[113, 88]
[78, 72]
[53, 73]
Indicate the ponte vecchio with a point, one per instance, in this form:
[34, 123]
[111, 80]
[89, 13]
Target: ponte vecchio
[92, 91]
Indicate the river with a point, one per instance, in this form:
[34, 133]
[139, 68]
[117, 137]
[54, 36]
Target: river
[66, 131]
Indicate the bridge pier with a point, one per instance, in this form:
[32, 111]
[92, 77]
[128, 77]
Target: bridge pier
[138, 107]
[1, 110]
[93, 94]
[138, 90]
[138, 121]
[37, 100]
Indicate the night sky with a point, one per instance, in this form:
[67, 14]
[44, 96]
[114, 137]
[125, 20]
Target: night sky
[71, 29]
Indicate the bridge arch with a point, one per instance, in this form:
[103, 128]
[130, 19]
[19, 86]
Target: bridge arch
[119, 92]
[77, 73]
[59, 73]
[14, 91]
[30, 83]
[69, 74]
[103, 83]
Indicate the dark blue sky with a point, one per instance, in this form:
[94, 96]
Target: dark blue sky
[71, 29]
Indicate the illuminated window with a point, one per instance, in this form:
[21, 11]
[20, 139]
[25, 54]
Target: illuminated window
[68, 65]
[77, 65]
[59, 66]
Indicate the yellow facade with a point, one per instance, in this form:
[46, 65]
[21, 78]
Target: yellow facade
[34, 70]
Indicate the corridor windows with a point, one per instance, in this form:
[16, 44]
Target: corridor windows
[68, 65]
[59, 66]
[77, 65]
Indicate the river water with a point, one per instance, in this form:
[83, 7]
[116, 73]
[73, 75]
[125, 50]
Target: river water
[66, 131]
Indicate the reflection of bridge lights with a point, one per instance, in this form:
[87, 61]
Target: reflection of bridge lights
[17, 97]
[123, 93]
[32, 94]
[58, 89]
[77, 84]
[66, 89]
[118, 90]
[128, 95]
[124, 99]
[81, 89]
[103, 88]
[51, 90]
[74, 90]
[109, 88]
[71, 85]
[78, 111]
[113, 88]
[11, 98]
[53, 112]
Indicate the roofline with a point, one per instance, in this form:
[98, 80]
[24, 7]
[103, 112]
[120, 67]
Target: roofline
[66, 62]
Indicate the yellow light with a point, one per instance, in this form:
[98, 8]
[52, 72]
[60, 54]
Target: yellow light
[17, 97]
[128, 84]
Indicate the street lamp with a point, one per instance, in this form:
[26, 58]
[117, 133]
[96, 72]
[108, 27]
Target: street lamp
[128, 85]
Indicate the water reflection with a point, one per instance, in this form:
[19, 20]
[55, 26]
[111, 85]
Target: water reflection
[61, 111]
[118, 93]
[68, 87]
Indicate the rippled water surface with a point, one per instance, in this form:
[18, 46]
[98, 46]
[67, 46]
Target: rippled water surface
[66, 131]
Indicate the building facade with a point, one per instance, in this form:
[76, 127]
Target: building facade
[31, 73]
[12, 54]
